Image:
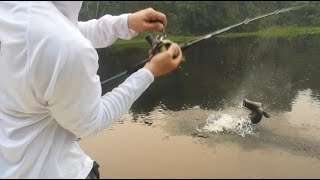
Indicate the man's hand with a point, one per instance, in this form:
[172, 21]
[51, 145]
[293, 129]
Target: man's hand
[165, 62]
[147, 20]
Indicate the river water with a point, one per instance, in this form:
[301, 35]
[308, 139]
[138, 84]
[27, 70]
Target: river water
[199, 127]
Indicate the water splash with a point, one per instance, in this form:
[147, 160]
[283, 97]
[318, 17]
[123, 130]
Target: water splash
[229, 123]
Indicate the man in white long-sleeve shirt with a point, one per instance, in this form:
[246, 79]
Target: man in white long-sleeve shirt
[50, 93]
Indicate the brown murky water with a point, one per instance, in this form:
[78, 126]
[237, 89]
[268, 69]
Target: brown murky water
[138, 151]
[166, 149]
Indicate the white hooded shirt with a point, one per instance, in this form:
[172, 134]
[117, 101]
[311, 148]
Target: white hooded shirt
[50, 93]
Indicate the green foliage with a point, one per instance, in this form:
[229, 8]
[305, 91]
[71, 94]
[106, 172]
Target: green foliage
[201, 17]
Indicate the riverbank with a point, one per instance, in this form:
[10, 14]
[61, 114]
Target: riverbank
[272, 32]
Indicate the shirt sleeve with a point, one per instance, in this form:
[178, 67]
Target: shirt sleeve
[67, 76]
[106, 30]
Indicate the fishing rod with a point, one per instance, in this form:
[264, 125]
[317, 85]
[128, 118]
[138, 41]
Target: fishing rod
[160, 44]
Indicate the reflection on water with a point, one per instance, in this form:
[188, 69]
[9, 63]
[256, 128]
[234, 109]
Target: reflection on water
[305, 110]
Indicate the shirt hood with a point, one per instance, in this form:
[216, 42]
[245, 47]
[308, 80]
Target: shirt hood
[69, 9]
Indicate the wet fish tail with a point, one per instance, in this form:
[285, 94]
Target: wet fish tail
[266, 114]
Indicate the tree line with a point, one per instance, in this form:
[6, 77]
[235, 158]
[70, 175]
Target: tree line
[200, 17]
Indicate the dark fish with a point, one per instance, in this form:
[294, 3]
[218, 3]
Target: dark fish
[256, 111]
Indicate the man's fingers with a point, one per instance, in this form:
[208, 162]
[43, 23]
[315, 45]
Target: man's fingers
[158, 17]
[174, 49]
[175, 52]
[154, 26]
[150, 53]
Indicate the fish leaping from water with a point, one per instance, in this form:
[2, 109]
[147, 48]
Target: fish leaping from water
[256, 111]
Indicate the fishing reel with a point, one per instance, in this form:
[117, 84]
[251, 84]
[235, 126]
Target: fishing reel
[159, 44]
